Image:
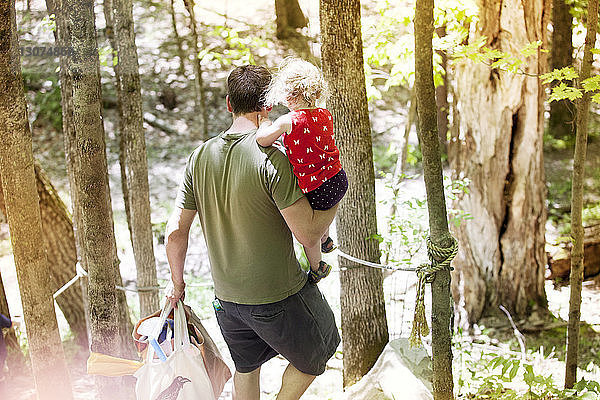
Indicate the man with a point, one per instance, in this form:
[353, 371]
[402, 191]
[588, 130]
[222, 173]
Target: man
[5, 322]
[249, 205]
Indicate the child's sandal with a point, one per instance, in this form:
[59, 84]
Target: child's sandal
[321, 272]
[328, 246]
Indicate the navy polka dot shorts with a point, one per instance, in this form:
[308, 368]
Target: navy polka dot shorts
[329, 193]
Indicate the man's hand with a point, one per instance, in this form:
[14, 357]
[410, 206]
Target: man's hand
[175, 292]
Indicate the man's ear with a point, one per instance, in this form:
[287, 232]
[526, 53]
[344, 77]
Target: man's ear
[265, 111]
[229, 108]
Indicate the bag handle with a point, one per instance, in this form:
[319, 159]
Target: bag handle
[181, 334]
[157, 329]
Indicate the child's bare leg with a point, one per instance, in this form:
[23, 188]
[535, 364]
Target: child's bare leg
[314, 256]
[325, 236]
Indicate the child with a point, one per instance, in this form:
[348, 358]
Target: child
[308, 139]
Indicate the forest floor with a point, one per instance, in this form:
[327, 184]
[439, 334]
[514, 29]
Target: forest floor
[168, 150]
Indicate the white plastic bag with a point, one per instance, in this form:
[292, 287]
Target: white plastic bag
[182, 376]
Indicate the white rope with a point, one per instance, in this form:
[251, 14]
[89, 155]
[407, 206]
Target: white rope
[83, 273]
[372, 264]
[151, 288]
[80, 273]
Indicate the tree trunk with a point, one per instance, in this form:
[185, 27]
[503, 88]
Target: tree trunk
[442, 309]
[91, 186]
[200, 97]
[136, 177]
[562, 115]
[63, 38]
[24, 220]
[15, 358]
[499, 148]
[59, 243]
[110, 34]
[576, 279]
[288, 17]
[441, 95]
[178, 40]
[364, 324]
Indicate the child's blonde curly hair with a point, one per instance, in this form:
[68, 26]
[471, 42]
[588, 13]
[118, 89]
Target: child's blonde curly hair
[296, 80]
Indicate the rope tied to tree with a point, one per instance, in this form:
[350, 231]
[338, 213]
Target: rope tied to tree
[426, 274]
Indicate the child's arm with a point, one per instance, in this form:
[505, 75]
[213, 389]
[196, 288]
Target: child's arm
[269, 132]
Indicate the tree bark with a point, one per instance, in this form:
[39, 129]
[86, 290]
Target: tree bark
[136, 177]
[178, 40]
[107, 6]
[200, 97]
[59, 243]
[63, 38]
[498, 146]
[24, 220]
[364, 324]
[576, 279]
[442, 307]
[561, 122]
[92, 190]
[441, 95]
[288, 17]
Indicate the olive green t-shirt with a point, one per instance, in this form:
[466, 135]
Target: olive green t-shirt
[238, 188]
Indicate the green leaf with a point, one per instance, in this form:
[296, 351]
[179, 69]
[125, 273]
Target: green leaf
[566, 73]
[514, 370]
[591, 84]
[563, 91]
[531, 48]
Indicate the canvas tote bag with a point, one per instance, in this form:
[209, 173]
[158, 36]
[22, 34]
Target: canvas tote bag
[182, 376]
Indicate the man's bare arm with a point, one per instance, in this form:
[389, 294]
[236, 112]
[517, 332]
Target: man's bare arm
[306, 224]
[176, 241]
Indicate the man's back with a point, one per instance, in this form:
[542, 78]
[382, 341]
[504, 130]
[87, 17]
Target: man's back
[238, 189]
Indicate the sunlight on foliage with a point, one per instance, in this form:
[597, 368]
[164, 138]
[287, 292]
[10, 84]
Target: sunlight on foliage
[566, 73]
[404, 242]
[562, 91]
[389, 41]
[237, 49]
[488, 375]
[496, 59]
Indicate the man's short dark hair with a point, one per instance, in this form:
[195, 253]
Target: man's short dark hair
[246, 86]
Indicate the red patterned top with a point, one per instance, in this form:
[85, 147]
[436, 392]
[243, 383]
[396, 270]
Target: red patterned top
[311, 148]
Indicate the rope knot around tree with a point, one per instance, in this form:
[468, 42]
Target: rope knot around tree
[440, 259]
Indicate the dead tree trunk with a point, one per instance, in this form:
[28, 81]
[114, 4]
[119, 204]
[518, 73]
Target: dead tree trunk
[363, 307]
[59, 243]
[499, 147]
[576, 279]
[200, 98]
[135, 179]
[442, 307]
[562, 114]
[24, 221]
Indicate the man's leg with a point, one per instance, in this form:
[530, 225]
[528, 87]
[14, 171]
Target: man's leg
[246, 386]
[294, 383]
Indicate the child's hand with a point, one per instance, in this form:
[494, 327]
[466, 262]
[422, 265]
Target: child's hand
[264, 121]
